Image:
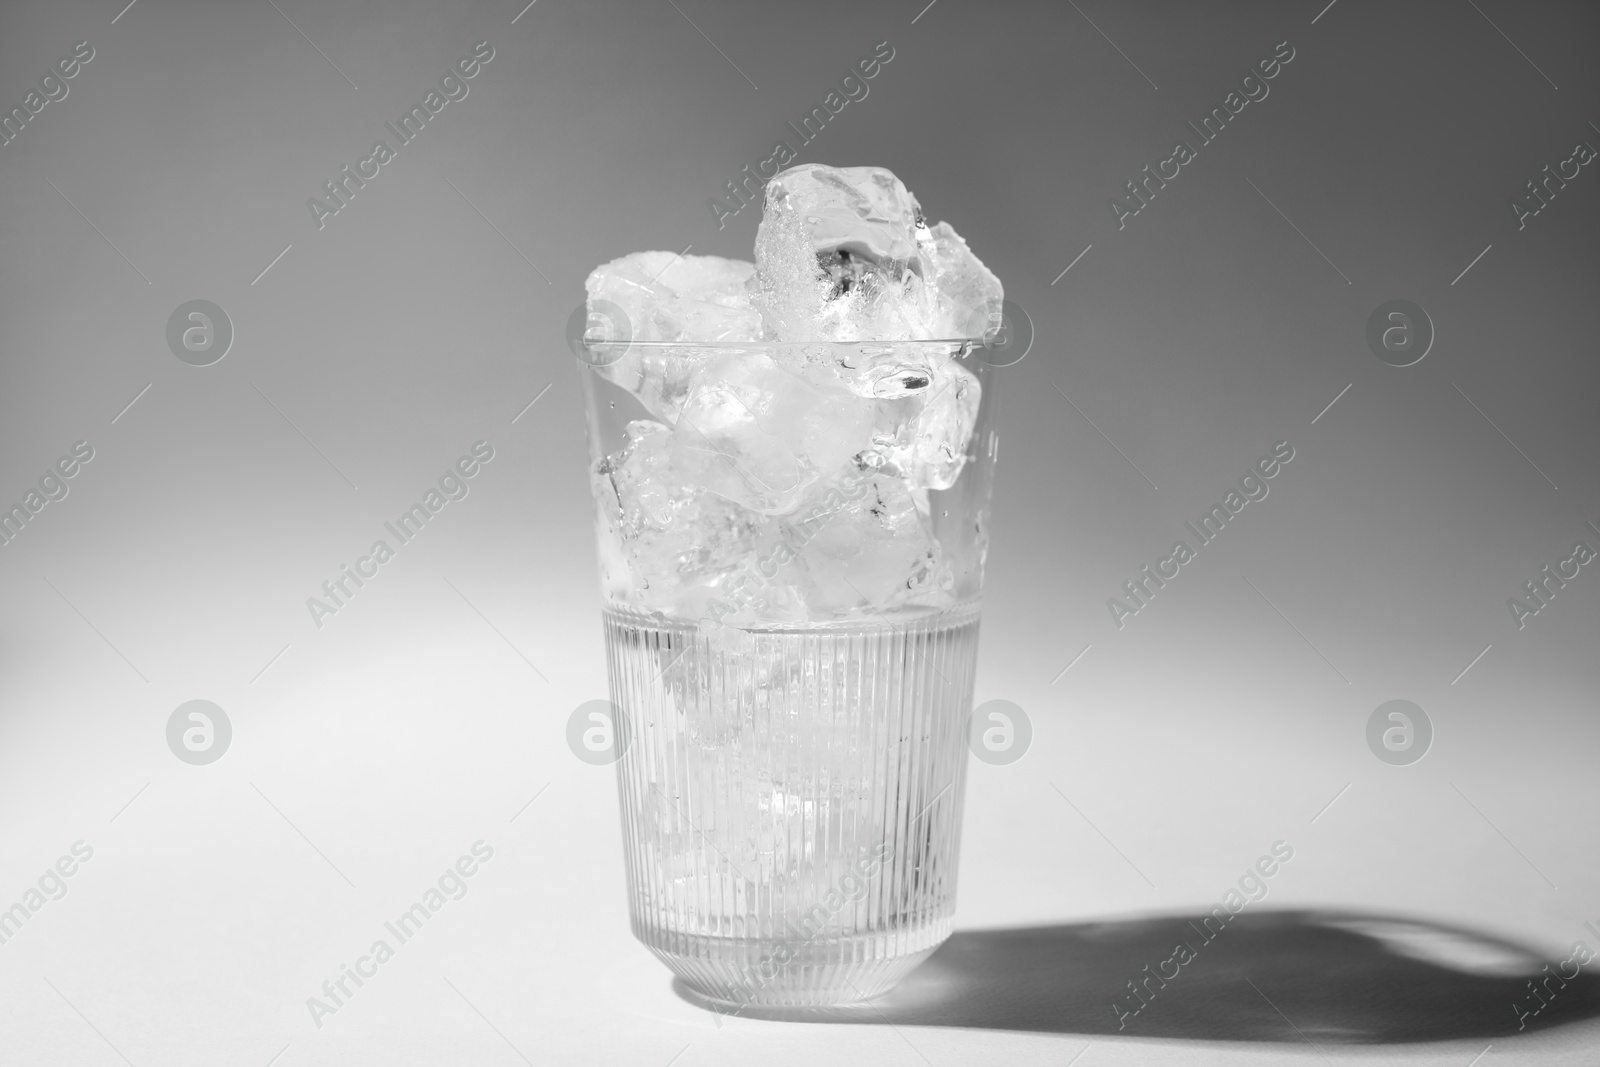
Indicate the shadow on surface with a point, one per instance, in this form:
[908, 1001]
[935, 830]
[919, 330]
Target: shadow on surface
[1298, 976]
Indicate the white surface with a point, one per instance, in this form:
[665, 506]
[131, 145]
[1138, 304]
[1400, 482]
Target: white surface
[204, 920]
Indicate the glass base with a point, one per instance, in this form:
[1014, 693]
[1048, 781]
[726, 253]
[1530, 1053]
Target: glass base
[717, 986]
[791, 800]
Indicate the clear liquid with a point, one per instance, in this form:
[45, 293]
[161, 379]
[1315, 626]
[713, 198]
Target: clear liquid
[791, 800]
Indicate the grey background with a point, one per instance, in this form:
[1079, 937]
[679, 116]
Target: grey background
[370, 753]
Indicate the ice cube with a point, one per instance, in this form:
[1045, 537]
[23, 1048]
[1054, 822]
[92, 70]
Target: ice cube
[760, 436]
[871, 370]
[677, 542]
[668, 297]
[865, 212]
[874, 554]
[969, 294]
[923, 437]
[943, 427]
[791, 286]
[839, 256]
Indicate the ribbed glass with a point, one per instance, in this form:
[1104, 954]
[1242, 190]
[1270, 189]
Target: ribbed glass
[791, 799]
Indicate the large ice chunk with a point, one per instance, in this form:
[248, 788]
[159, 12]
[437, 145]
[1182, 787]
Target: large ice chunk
[760, 436]
[839, 256]
[668, 297]
[863, 212]
[843, 253]
[677, 542]
[923, 438]
[874, 554]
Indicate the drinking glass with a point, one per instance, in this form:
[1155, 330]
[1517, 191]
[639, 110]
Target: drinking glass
[791, 794]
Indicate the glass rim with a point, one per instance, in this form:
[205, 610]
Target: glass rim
[887, 346]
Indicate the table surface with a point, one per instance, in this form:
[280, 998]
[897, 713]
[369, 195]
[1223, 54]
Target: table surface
[372, 747]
